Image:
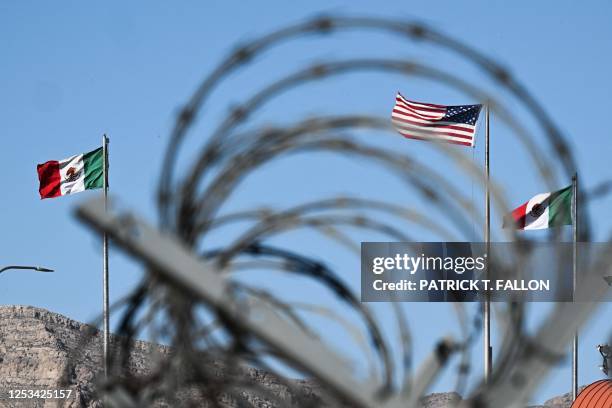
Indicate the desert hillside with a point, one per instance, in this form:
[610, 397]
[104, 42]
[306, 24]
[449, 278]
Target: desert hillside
[36, 345]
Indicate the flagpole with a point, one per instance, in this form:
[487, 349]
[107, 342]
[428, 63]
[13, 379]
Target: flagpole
[487, 236]
[105, 260]
[574, 268]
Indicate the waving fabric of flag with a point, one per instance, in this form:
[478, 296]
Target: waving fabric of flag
[544, 210]
[72, 175]
[426, 121]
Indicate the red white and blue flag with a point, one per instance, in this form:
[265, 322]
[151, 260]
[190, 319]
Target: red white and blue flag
[427, 121]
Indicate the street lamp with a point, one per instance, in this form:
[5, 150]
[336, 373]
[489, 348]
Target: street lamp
[32, 268]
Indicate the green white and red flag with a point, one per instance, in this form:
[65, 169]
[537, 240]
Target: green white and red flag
[543, 211]
[72, 175]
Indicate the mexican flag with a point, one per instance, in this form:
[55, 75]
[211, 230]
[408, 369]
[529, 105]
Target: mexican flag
[72, 175]
[543, 211]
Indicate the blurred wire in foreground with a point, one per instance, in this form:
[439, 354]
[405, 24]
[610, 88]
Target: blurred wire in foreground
[218, 327]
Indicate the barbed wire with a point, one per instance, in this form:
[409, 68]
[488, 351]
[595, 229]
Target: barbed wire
[208, 355]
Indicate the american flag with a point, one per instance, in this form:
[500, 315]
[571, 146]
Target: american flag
[426, 121]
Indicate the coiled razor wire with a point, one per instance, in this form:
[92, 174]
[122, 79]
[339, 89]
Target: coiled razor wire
[210, 356]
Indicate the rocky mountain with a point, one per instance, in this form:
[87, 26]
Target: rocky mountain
[35, 346]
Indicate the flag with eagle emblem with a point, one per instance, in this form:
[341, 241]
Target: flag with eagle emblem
[72, 175]
[543, 211]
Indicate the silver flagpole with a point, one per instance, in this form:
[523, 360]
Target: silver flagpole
[487, 236]
[574, 267]
[105, 260]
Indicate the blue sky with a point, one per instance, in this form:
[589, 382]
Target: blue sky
[72, 72]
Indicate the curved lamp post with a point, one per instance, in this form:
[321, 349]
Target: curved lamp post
[32, 268]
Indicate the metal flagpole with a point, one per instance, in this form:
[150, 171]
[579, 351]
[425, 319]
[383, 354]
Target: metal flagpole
[487, 236]
[105, 259]
[574, 267]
